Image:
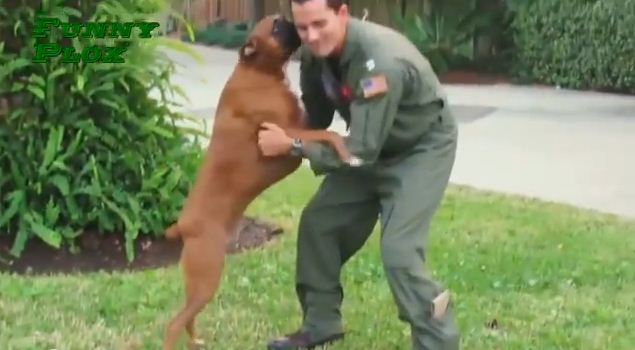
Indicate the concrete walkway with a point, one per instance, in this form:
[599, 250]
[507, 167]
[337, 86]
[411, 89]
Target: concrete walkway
[556, 145]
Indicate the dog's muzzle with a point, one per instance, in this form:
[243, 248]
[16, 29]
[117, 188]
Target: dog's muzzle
[286, 34]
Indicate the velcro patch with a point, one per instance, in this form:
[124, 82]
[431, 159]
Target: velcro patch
[374, 86]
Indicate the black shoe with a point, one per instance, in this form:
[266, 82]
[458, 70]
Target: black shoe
[301, 340]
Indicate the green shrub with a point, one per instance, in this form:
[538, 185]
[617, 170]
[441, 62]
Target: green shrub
[445, 34]
[84, 146]
[581, 44]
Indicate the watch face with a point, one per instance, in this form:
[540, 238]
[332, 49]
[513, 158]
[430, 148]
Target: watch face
[296, 148]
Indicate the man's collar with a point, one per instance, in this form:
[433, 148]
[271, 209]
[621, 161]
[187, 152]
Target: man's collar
[351, 41]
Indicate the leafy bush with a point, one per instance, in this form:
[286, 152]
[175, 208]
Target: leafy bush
[582, 44]
[84, 146]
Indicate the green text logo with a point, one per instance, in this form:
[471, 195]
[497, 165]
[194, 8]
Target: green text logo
[90, 54]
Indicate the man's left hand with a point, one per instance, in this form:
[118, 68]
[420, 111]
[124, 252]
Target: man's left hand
[273, 141]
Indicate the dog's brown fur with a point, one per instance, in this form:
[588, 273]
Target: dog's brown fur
[234, 171]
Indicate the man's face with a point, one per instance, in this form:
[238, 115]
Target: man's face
[319, 27]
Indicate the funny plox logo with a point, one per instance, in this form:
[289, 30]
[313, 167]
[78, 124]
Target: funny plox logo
[45, 51]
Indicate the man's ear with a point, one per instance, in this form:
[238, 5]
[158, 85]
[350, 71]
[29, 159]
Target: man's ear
[249, 48]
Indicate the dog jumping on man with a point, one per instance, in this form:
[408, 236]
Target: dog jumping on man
[234, 172]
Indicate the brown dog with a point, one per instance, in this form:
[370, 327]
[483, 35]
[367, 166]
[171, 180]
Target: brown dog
[234, 172]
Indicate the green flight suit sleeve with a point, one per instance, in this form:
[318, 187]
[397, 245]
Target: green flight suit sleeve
[371, 120]
[318, 111]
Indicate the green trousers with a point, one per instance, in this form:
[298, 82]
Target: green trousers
[337, 221]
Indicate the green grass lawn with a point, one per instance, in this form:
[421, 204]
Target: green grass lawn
[552, 277]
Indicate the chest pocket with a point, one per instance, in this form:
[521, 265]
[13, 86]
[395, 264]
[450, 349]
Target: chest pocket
[338, 94]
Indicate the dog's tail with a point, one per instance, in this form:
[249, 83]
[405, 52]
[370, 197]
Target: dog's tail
[173, 232]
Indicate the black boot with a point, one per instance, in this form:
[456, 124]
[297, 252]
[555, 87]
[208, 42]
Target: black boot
[301, 340]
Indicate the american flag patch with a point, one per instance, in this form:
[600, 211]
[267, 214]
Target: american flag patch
[374, 85]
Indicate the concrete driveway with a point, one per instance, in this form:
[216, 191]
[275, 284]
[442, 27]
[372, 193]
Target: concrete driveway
[557, 145]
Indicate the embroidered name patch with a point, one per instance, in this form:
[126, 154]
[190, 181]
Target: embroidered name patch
[374, 86]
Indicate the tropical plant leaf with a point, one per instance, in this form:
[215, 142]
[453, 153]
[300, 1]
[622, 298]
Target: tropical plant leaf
[51, 237]
[16, 200]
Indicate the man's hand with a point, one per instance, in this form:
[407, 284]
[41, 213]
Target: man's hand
[273, 141]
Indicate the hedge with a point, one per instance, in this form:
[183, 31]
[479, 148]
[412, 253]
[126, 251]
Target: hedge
[578, 44]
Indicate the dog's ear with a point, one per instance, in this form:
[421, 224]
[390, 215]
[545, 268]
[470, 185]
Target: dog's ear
[249, 48]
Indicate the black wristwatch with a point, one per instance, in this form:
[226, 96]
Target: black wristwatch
[296, 148]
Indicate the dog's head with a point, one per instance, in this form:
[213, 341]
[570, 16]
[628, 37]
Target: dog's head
[271, 43]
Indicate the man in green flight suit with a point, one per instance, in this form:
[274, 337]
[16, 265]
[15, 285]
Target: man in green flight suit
[403, 138]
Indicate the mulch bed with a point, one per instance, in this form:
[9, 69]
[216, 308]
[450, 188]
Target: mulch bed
[107, 253]
[473, 78]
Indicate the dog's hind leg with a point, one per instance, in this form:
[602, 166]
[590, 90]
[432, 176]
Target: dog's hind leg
[197, 299]
[184, 319]
[179, 322]
[203, 262]
[190, 327]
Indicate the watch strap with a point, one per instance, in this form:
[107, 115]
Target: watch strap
[297, 148]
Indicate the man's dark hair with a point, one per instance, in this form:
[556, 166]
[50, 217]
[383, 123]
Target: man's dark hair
[333, 4]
